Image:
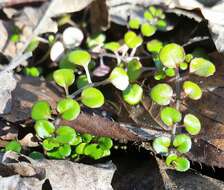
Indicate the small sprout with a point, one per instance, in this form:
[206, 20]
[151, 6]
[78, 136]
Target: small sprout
[181, 164]
[81, 58]
[66, 135]
[133, 94]
[148, 16]
[119, 78]
[32, 45]
[32, 71]
[68, 108]
[154, 46]
[170, 116]
[50, 143]
[159, 75]
[192, 124]
[161, 24]
[162, 94]
[80, 148]
[112, 46]
[183, 66]
[188, 58]
[170, 72]
[72, 37]
[64, 78]
[182, 142]
[14, 146]
[41, 110]
[105, 143]
[132, 40]
[148, 29]
[161, 144]
[171, 55]
[134, 23]
[202, 67]
[57, 50]
[94, 151]
[87, 138]
[96, 40]
[15, 38]
[36, 155]
[192, 90]
[44, 128]
[82, 81]
[92, 97]
[64, 150]
[134, 70]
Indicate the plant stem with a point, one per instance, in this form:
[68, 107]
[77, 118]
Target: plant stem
[87, 74]
[66, 91]
[95, 84]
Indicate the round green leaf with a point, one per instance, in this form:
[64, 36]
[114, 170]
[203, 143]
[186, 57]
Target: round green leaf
[79, 57]
[68, 108]
[171, 55]
[112, 46]
[87, 138]
[182, 142]
[94, 151]
[170, 159]
[192, 90]
[159, 75]
[119, 78]
[133, 94]
[154, 46]
[134, 69]
[92, 97]
[64, 77]
[66, 135]
[183, 66]
[170, 72]
[64, 150]
[132, 40]
[148, 29]
[192, 124]
[161, 24]
[161, 144]
[36, 155]
[41, 110]
[44, 128]
[134, 23]
[50, 143]
[152, 10]
[96, 40]
[82, 81]
[170, 116]
[162, 94]
[32, 71]
[80, 148]
[148, 16]
[14, 146]
[181, 164]
[202, 67]
[188, 58]
[105, 143]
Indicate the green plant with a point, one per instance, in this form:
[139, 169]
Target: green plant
[14, 146]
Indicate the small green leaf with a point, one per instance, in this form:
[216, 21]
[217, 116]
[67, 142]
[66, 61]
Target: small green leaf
[133, 94]
[80, 148]
[50, 143]
[87, 138]
[92, 97]
[154, 46]
[192, 124]
[170, 116]
[96, 40]
[169, 159]
[162, 94]
[188, 58]
[148, 29]
[202, 67]
[148, 16]
[161, 144]
[132, 40]
[41, 110]
[82, 81]
[68, 108]
[32, 45]
[79, 57]
[65, 150]
[134, 23]
[183, 66]
[182, 142]
[15, 38]
[36, 155]
[94, 151]
[153, 10]
[161, 24]
[112, 46]
[192, 90]
[160, 75]
[14, 146]
[181, 164]
[32, 71]
[134, 70]
[170, 72]
[119, 78]
[171, 55]
[66, 135]
[44, 128]
[77, 140]
[105, 143]
[64, 77]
